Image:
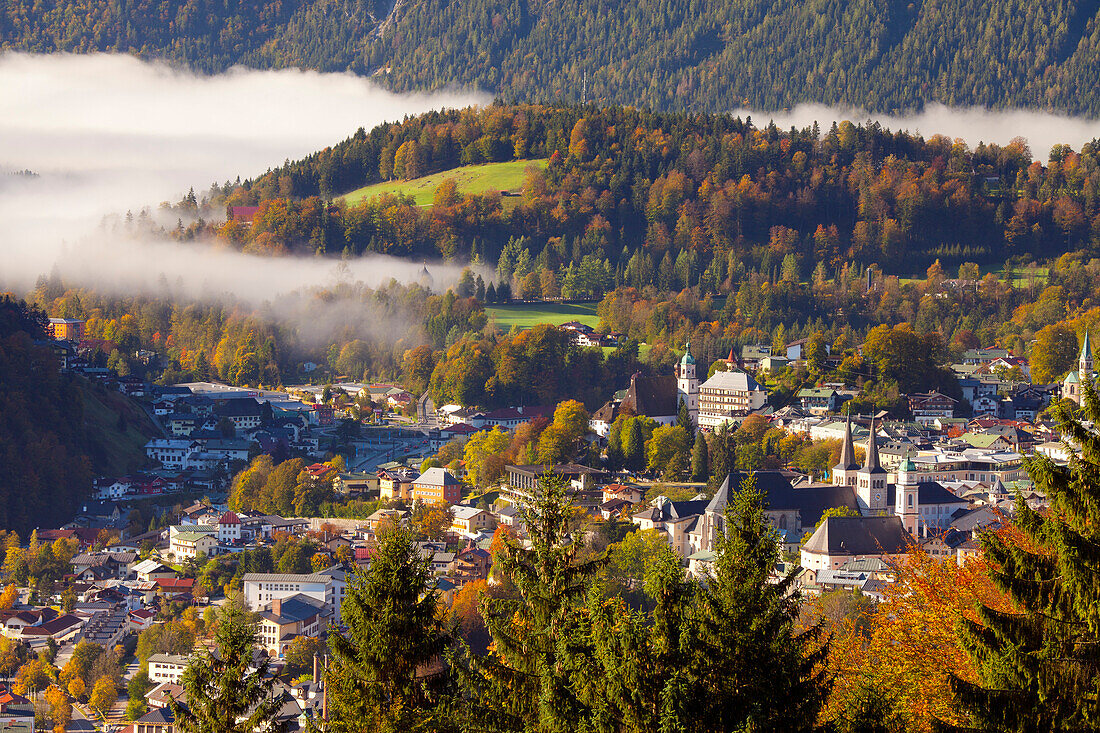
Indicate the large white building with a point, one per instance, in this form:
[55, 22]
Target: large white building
[327, 586]
[727, 396]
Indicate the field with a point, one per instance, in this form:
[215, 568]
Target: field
[526, 315]
[469, 179]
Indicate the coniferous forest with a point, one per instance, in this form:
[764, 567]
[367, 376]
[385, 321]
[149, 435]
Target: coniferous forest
[881, 55]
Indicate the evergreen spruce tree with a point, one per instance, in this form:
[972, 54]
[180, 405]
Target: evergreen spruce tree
[393, 628]
[222, 693]
[633, 443]
[524, 683]
[683, 418]
[638, 676]
[753, 670]
[723, 454]
[700, 461]
[1039, 668]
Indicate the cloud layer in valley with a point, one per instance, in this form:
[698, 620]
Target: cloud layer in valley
[108, 133]
[1043, 130]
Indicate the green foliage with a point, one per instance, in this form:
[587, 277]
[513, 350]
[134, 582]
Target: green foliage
[764, 672]
[394, 628]
[1038, 665]
[713, 56]
[227, 692]
[524, 684]
[700, 460]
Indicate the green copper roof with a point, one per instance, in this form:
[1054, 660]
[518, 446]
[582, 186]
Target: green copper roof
[688, 358]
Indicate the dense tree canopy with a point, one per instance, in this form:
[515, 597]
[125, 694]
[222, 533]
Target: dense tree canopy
[672, 55]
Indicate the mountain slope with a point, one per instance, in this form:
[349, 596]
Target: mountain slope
[884, 55]
[54, 431]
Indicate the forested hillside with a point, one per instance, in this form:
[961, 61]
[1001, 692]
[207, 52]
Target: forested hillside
[627, 194]
[53, 432]
[884, 55]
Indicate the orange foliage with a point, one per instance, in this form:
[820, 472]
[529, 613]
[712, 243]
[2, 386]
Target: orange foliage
[914, 648]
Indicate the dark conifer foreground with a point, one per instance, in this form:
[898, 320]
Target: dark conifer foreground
[225, 690]
[394, 632]
[1040, 668]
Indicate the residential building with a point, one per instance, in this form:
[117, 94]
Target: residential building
[437, 484]
[65, 329]
[471, 520]
[282, 620]
[678, 521]
[729, 395]
[172, 452]
[820, 400]
[229, 528]
[191, 543]
[166, 668]
[928, 406]
[752, 354]
[397, 484]
[245, 414]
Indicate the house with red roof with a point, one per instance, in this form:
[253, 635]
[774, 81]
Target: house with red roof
[229, 528]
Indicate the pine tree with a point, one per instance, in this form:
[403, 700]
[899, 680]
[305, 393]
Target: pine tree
[226, 691]
[639, 672]
[394, 628]
[633, 443]
[753, 670]
[723, 454]
[683, 419]
[525, 683]
[700, 461]
[1039, 668]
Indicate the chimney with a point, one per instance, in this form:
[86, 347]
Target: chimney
[316, 670]
[277, 606]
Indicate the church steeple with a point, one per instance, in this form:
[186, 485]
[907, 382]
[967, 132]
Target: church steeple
[907, 495]
[872, 464]
[871, 480]
[844, 472]
[687, 384]
[1084, 362]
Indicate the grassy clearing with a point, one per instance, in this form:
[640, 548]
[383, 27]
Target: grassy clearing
[527, 315]
[469, 179]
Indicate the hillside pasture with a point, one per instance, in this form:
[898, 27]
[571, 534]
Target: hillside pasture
[469, 179]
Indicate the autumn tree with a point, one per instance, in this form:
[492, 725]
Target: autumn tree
[668, 451]
[103, 697]
[1054, 353]
[431, 520]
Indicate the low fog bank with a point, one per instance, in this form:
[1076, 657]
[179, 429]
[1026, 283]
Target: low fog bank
[108, 134]
[1043, 130]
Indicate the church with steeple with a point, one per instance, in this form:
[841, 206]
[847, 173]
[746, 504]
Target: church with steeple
[1072, 384]
[909, 505]
[687, 384]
